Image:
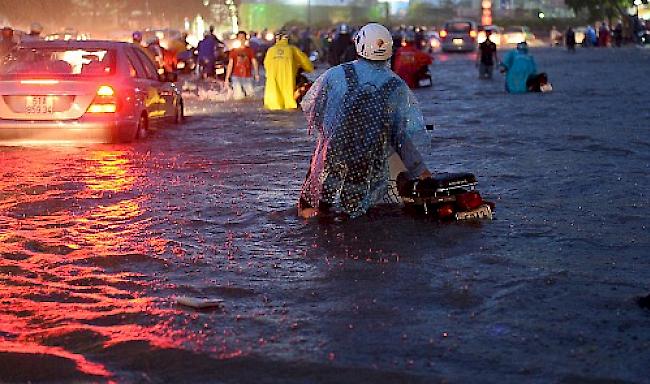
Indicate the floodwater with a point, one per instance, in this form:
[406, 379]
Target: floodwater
[97, 242]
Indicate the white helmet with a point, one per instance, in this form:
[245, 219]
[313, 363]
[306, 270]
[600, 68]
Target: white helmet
[374, 42]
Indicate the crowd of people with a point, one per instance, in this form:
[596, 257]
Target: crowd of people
[602, 35]
[285, 58]
[367, 88]
[238, 63]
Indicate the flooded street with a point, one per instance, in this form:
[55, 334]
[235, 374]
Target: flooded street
[97, 242]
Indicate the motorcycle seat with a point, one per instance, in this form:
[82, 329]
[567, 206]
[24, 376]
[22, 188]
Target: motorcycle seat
[441, 184]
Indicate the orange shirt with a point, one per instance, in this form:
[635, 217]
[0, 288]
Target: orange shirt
[242, 60]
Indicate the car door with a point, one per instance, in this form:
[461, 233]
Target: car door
[155, 102]
[164, 89]
[142, 88]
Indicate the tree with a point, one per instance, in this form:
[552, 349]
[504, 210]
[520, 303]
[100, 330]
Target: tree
[600, 9]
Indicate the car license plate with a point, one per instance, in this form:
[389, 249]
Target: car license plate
[482, 212]
[458, 41]
[220, 71]
[424, 82]
[41, 105]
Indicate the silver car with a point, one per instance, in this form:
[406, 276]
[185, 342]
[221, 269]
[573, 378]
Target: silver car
[88, 91]
[459, 35]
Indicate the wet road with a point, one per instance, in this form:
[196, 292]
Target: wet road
[95, 243]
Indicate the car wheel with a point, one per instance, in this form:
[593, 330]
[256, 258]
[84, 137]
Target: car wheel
[179, 116]
[141, 132]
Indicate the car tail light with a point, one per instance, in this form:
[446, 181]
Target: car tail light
[473, 34]
[443, 33]
[105, 101]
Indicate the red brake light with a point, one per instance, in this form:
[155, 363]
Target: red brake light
[105, 101]
[473, 33]
[443, 33]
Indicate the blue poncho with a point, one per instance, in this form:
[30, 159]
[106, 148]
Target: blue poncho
[349, 168]
[519, 66]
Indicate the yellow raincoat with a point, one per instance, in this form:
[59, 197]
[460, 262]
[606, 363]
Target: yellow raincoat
[281, 64]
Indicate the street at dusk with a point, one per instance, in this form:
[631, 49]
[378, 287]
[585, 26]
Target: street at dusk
[99, 241]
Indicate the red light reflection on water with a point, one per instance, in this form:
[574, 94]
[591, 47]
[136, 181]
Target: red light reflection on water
[68, 222]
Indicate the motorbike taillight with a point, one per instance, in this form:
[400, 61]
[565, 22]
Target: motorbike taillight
[469, 201]
[445, 211]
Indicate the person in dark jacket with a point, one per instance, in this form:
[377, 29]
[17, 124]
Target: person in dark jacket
[207, 55]
[7, 41]
[342, 47]
[618, 34]
[487, 57]
[570, 40]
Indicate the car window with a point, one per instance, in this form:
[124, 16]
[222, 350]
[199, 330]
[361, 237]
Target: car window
[135, 64]
[73, 62]
[148, 65]
[459, 27]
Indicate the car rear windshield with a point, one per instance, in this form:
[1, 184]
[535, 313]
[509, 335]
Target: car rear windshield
[514, 30]
[75, 62]
[459, 27]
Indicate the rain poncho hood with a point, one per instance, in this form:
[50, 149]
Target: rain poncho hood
[519, 66]
[362, 113]
[281, 64]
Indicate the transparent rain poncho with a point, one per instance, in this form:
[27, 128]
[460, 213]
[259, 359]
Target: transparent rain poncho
[362, 113]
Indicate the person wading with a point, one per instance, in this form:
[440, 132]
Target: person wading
[282, 64]
[242, 66]
[486, 57]
[411, 64]
[362, 113]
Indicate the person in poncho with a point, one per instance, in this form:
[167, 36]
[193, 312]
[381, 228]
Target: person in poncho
[282, 63]
[519, 66]
[362, 113]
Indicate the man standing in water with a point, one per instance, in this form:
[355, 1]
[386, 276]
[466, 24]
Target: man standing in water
[242, 66]
[487, 57]
[570, 40]
[362, 113]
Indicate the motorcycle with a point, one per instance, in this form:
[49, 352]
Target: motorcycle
[187, 61]
[449, 196]
[424, 77]
[302, 86]
[538, 83]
